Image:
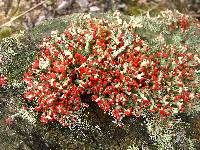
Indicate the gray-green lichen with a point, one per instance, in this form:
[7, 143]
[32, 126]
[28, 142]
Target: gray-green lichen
[17, 54]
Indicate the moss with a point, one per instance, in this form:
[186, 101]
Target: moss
[130, 2]
[156, 11]
[5, 32]
[135, 10]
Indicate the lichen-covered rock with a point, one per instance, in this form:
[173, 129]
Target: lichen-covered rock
[96, 130]
[17, 54]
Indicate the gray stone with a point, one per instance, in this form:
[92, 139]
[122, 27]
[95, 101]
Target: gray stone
[83, 4]
[94, 8]
[63, 5]
[40, 19]
[122, 6]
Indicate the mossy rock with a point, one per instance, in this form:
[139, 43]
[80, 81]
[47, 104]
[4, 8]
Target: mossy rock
[20, 50]
[98, 131]
[17, 56]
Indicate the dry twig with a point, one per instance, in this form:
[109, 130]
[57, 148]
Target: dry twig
[19, 16]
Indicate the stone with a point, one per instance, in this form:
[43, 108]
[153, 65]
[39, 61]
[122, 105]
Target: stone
[63, 6]
[122, 6]
[83, 4]
[40, 19]
[94, 8]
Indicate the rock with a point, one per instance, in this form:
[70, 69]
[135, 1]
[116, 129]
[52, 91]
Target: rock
[122, 6]
[83, 4]
[40, 19]
[94, 8]
[63, 5]
[108, 4]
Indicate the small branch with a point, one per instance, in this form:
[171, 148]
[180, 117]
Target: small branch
[19, 16]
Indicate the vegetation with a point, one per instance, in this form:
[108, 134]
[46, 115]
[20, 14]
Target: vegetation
[83, 76]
